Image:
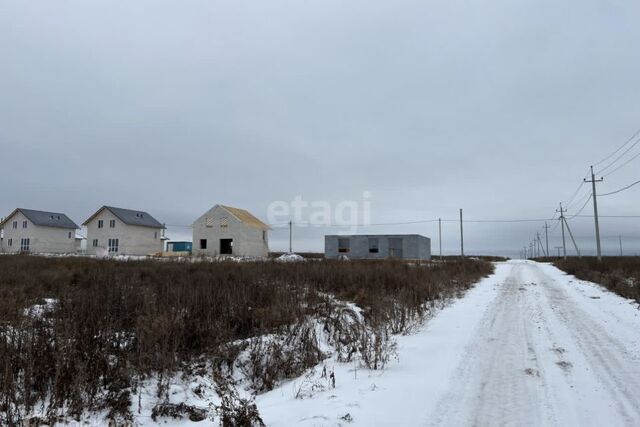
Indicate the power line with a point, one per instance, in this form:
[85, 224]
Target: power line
[582, 208]
[620, 190]
[568, 202]
[503, 220]
[608, 216]
[618, 150]
[624, 164]
[580, 200]
[426, 221]
[619, 157]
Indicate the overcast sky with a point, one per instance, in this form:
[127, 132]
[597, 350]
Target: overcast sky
[172, 107]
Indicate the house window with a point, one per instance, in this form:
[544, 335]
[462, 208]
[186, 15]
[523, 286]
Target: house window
[209, 222]
[344, 245]
[155, 235]
[373, 246]
[113, 245]
[10, 242]
[69, 234]
[264, 235]
[15, 224]
[224, 222]
[203, 243]
[24, 224]
[112, 223]
[24, 245]
[95, 243]
[100, 223]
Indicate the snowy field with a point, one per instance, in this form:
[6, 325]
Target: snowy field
[528, 346]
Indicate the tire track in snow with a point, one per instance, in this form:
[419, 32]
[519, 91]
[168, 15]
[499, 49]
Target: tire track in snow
[500, 381]
[608, 358]
[538, 358]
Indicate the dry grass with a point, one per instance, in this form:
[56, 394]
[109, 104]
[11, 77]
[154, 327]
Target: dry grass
[113, 324]
[618, 274]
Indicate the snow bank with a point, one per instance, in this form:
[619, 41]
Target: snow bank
[37, 311]
[290, 258]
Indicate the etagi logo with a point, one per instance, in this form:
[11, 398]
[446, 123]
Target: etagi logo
[346, 215]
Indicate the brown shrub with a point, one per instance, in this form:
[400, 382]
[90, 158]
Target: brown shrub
[618, 274]
[113, 324]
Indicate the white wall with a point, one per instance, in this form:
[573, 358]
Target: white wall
[41, 239]
[247, 241]
[133, 239]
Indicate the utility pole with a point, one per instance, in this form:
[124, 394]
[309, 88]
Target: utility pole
[575, 245]
[595, 210]
[620, 238]
[564, 243]
[461, 235]
[542, 247]
[532, 250]
[440, 236]
[546, 237]
[290, 237]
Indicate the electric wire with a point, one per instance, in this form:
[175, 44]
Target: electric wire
[624, 164]
[618, 150]
[619, 157]
[582, 208]
[580, 200]
[620, 190]
[575, 193]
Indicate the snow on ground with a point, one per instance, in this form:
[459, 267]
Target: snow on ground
[528, 346]
[290, 258]
[39, 310]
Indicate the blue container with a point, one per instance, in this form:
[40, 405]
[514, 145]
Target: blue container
[179, 246]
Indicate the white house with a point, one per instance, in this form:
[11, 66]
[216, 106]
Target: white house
[27, 230]
[117, 231]
[224, 230]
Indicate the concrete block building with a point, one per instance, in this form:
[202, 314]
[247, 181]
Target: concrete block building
[33, 231]
[224, 230]
[384, 246]
[118, 231]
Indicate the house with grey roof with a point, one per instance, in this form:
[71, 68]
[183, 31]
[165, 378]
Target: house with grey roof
[117, 231]
[378, 246]
[33, 231]
[227, 231]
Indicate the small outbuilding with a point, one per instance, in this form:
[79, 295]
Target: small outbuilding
[175, 246]
[32, 231]
[378, 246]
[224, 230]
[118, 231]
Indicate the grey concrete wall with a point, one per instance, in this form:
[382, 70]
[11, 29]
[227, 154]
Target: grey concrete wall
[424, 248]
[414, 246]
[133, 240]
[247, 241]
[50, 240]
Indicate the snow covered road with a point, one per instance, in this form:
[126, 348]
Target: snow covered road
[527, 346]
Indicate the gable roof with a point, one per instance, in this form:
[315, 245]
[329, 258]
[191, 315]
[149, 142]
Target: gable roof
[129, 217]
[246, 217]
[44, 219]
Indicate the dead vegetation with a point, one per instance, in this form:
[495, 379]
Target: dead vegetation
[618, 274]
[104, 327]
